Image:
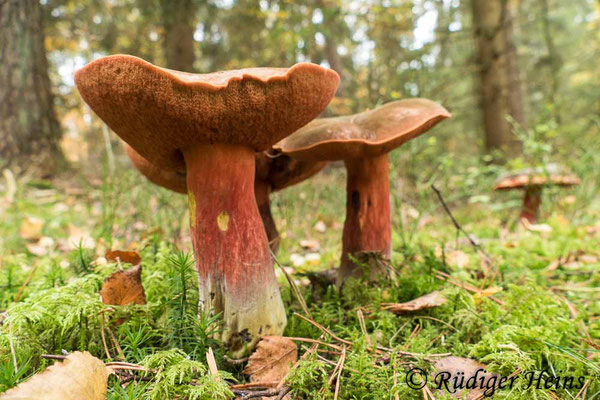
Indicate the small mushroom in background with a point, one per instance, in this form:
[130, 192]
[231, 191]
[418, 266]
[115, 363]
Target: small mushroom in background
[276, 171]
[363, 141]
[172, 180]
[209, 126]
[273, 173]
[532, 181]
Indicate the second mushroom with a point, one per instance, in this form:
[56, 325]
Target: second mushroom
[363, 141]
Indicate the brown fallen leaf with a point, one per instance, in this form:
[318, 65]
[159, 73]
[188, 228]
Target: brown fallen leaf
[272, 360]
[433, 299]
[455, 365]
[79, 376]
[31, 228]
[124, 287]
[457, 258]
[130, 257]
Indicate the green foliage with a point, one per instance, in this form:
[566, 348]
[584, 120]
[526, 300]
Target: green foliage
[176, 374]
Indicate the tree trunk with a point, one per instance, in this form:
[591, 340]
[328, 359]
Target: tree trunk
[498, 73]
[554, 60]
[29, 129]
[178, 19]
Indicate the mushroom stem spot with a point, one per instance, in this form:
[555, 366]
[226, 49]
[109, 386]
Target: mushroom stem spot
[235, 270]
[531, 203]
[368, 217]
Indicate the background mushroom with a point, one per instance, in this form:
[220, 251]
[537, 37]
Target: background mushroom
[363, 141]
[532, 180]
[172, 180]
[276, 171]
[209, 126]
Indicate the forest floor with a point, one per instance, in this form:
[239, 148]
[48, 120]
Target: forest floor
[522, 300]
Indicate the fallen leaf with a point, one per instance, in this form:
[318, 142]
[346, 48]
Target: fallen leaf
[433, 299]
[130, 257]
[320, 227]
[310, 244]
[272, 360]
[41, 247]
[79, 376]
[31, 228]
[312, 258]
[457, 258]
[297, 260]
[124, 287]
[455, 365]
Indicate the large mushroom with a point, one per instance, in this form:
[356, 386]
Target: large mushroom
[363, 141]
[276, 171]
[209, 127]
[532, 181]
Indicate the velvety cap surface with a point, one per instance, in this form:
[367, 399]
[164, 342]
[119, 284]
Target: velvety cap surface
[551, 175]
[172, 180]
[159, 111]
[280, 170]
[367, 134]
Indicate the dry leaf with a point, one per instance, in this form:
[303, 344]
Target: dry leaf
[130, 257]
[457, 258]
[79, 376]
[124, 287]
[433, 299]
[454, 365]
[320, 227]
[31, 228]
[272, 360]
[310, 244]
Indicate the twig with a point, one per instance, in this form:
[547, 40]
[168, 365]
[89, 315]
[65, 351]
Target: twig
[260, 393]
[454, 281]
[233, 361]
[325, 330]
[12, 349]
[456, 224]
[108, 356]
[294, 287]
[20, 292]
[212, 364]
[53, 357]
[314, 341]
[255, 385]
[339, 374]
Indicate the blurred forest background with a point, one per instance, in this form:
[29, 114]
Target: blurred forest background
[514, 73]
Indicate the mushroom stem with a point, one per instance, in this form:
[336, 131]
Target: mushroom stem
[368, 217]
[531, 203]
[262, 191]
[235, 270]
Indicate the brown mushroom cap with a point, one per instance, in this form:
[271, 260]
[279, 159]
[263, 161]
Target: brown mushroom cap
[280, 170]
[367, 134]
[159, 111]
[551, 175]
[172, 180]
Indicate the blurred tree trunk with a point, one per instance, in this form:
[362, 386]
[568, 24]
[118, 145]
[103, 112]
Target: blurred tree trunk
[29, 129]
[554, 60]
[499, 89]
[178, 20]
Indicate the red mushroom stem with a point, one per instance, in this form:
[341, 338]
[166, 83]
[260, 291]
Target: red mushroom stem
[368, 217]
[531, 203]
[236, 275]
[262, 190]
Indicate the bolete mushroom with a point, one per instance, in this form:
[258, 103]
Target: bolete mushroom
[363, 141]
[276, 171]
[531, 181]
[209, 127]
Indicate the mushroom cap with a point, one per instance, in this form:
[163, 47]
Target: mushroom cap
[280, 170]
[551, 175]
[367, 134]
[160, 112]
[172, 180]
